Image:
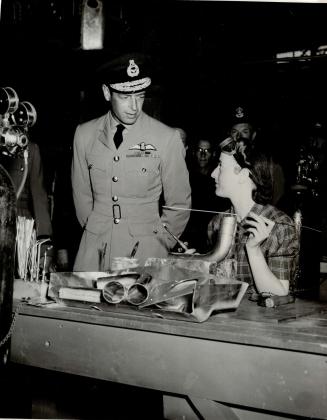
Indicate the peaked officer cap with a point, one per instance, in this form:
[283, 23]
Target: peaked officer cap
[128, 73]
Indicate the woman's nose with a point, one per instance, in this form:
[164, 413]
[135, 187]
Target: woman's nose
[214, 174]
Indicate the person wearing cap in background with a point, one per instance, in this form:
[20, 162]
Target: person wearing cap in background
[122, 162]
[242, 128]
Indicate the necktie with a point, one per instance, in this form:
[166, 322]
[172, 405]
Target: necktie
[118, 137]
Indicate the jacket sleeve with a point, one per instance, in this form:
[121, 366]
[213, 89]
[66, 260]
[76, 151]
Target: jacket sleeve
[176, 186]
[81, 186]
[38, 192]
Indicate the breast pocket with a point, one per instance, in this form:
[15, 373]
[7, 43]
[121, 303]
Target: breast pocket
[98, 171]
[142, 176]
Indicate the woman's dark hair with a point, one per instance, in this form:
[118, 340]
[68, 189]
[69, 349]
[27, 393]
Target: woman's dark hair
[259, 162]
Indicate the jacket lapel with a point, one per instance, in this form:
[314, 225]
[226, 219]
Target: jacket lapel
[104, 133]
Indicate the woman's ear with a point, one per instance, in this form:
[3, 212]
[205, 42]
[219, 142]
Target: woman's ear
[106, 92]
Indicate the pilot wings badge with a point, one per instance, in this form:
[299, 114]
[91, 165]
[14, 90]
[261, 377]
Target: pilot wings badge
[143, 147]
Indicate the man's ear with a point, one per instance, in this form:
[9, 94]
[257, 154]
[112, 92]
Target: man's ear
[254, 135]
[106, 92]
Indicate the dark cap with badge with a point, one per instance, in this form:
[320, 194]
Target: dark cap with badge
[128, 73]
[240, 115]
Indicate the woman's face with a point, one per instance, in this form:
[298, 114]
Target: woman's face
[226, 176]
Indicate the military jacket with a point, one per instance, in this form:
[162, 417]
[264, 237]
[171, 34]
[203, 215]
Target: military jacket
[33, 200]
[116, 192]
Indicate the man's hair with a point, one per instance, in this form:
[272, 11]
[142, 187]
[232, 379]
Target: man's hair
[260, 164]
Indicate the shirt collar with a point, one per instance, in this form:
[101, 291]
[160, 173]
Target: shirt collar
[113, 122]
[256, 209]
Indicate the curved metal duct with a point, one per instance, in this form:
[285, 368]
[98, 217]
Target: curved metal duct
[222, 246]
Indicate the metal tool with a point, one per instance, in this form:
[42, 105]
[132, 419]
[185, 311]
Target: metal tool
[135, 249]
[175, 237]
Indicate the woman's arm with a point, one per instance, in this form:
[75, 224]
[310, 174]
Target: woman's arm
[265, 280]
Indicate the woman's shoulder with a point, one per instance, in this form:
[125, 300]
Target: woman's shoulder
[273, 213]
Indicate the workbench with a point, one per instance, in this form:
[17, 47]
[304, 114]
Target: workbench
[252, 363]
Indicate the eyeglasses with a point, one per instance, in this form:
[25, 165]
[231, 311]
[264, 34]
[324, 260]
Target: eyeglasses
[205, 151]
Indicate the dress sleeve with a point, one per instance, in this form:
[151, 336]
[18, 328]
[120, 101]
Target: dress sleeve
[282, 251]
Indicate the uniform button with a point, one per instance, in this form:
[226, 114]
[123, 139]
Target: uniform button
[114, 198]
[116, 158]
[115, 178]
[116, 221]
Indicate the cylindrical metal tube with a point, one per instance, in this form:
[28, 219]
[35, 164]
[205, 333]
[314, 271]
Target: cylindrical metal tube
[114, 292]
[223, 244]
[137, 294]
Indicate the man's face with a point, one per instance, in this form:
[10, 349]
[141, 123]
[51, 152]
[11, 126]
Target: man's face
[126, 107]
[203, 153]
[244, 130]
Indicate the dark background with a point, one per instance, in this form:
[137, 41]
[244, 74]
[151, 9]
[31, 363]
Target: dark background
[207, 57]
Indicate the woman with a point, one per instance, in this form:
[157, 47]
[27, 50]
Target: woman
[266, 244]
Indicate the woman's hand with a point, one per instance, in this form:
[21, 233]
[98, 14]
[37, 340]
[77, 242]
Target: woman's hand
[191, 251]
[259, 228]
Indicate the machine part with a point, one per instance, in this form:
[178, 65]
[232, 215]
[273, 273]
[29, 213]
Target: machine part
[25, 115]
[273, 301]
[137, 294]
[11, 137]
[114, 292]
[223, 244]
[8, 100]
[92, 31]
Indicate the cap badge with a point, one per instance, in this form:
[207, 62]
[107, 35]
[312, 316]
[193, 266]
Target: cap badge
[133, 69]
[239, 112]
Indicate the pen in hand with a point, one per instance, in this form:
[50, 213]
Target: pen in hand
[175, 237]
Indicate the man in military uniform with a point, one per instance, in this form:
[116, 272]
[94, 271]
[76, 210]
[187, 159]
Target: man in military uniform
[116, 187]
[242, 128]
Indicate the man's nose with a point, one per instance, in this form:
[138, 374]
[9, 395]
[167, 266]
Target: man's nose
[133, 103]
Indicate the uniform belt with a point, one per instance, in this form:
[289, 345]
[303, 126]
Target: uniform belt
[137, 211]
[116, 211]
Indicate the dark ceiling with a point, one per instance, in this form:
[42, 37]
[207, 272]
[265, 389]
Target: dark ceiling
[207, 56]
